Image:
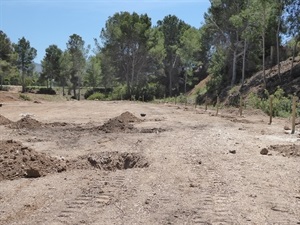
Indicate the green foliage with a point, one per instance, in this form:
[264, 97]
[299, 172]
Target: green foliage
[217, 71]
[26, 54]
[24, 97]
[119, 93]
[282, 105]
[97, 96]
[76, 56]
[51, 64]
[93, 72]
[89, 92]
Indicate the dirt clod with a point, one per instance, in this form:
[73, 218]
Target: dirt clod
[264, 151]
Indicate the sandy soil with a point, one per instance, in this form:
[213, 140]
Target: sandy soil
[176, 165]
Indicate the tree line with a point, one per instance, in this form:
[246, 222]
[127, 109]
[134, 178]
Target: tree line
[133, 57]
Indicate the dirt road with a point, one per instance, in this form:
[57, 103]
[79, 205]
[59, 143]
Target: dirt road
[177, 165]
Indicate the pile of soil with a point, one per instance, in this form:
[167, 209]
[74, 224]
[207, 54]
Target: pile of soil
[18, 161]
[26, 122]
[112, 161]
[4, 120]
[286, 150]
[122, 123]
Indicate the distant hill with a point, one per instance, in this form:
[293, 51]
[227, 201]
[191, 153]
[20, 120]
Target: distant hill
[38, 67]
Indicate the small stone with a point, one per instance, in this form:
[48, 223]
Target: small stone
[192, 185]
[264, 151]
[232, 151]
[286, 127]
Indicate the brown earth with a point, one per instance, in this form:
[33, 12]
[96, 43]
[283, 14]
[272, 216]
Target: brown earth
[122, 123]
[26, 122]
[19, 161]
[181, 165]
[4, 120]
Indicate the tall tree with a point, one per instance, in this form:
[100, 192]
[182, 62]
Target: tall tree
[172, 28]
[6, 53]
[51, 64]
[77, 53]
[93, 72]
[26, 55]
[128, 45]
[190, 46]
[292, 18]
[65, 69]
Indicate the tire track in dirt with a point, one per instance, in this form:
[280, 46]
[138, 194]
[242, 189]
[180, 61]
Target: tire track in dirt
[214, 200]
[98, 194]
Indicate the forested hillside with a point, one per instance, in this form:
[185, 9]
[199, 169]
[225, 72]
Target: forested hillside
[133, 57]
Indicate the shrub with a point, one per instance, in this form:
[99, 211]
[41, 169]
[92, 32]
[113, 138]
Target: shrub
[282, 105]
[24, 97]
[96, 96]
[119, 93]
[46, 91]
[102, 90]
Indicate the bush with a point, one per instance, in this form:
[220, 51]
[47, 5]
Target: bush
[89, 92]
[46, 91]
[24, 97]
[119, 93]
[282, 106]
[96, 96]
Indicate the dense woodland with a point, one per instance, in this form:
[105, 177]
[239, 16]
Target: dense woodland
[133, 57]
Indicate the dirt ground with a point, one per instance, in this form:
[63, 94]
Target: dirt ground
[93, 162]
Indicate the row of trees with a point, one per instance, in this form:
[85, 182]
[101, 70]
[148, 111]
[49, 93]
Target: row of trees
[244, 35]
[135, 58]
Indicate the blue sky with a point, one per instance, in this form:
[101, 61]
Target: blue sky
[46, 22]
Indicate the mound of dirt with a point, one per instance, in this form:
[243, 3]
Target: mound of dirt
[4, 120]
[122, 123]
[286, 150]
[18, 161]
[26, 122]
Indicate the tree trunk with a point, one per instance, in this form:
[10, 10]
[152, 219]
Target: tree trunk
[294, 52]
[170, 82]
[233, 68]
[277, 44]
[244, 62]
[78, 97]
[50, 83]
[263, 48]
[74, 90]
[23, 81]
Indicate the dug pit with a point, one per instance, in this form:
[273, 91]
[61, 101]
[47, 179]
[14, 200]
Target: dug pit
[286, 150]
[109, 161]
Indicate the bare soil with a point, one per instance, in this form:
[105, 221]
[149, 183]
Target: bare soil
[93, 162]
